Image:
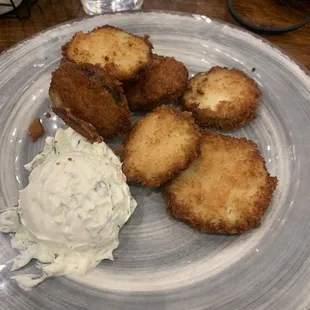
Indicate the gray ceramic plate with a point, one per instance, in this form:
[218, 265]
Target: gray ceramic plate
[161, 263]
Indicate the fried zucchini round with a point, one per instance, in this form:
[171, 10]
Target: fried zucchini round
[87, 93]
[160, 145]
[120, 53]
[227, 189]
[222, 98]
[163, 82]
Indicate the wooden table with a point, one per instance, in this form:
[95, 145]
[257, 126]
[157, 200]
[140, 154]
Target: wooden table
[47, 13]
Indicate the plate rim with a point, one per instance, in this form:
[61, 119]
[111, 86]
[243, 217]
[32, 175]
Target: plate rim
[203, 17]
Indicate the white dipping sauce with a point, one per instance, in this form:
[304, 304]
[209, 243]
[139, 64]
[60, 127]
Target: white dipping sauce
[70, 214]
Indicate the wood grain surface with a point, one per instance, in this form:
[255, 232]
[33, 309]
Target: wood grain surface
[48, 13]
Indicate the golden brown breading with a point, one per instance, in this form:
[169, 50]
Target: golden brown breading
[160, 145]
[163, 82]
[222, 98]
[226, 189]
[91, 95]
[120, 53]
[35, 129]
[85, 129]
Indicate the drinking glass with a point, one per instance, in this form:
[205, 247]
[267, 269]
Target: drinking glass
[102, 6]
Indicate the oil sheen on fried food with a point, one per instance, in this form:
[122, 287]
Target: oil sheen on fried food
[103, 6]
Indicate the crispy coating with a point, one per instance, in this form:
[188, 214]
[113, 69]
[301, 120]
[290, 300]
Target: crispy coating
[35, 130]
[85, 129]
[160, 145]
[92, 96]
[120, 53]
[164, 81]
[222, 98]
[227, 189]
